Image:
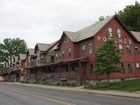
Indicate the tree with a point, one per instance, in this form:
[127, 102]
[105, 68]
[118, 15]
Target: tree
[107, 57]
[12, 47]
[130, 16]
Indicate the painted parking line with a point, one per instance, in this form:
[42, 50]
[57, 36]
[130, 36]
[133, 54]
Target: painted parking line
[40, 97]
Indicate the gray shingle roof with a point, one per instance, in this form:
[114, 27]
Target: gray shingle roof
[53, 46]
[31, 51]
[42, 46]
[136, 35]
[87, 32]
[22, 56]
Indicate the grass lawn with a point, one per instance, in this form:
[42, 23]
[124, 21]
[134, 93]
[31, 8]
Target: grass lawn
[130, 85]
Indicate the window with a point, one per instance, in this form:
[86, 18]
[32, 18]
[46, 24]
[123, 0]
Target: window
[69, 52]
[63, 53]
[60, 55]
[136, 50]
[83, 50]
[56, 56]
[42, 56]
[129, 68]
[90, 48]
[121, 48]
[66, 40]
[119, 33]
[110, 31]
[128, 49]
[91, 69]
[122, 69]
[138, 66]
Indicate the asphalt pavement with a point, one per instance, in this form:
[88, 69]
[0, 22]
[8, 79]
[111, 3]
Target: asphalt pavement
[12, 94]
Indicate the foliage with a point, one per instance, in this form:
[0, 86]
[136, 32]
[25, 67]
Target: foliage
[1, 65]
[130, 16]
[107, 57]
[11, 47]
[129, 85]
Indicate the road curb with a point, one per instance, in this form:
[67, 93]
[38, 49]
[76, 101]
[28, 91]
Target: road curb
[101, 92]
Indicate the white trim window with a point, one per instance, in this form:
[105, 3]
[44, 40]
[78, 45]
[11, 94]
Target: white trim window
[138, 66]
[69, 51]
[121, 48]
[128, 49]
[56, 56]
[119, 33]
[110, 31]
[90, 48]
[63, 53]
[83, 50]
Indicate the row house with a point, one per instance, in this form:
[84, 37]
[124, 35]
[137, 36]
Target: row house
[13, 67]
[37, 61]
[22, 65]
[72, 58]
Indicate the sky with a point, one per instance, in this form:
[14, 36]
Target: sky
[43, 21]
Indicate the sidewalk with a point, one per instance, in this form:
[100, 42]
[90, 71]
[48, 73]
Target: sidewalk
[80, 89]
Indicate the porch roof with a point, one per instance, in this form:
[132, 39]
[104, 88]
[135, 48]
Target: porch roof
[83, 59]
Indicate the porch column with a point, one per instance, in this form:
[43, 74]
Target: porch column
[59, 69]
[52, 72]
[80, 73]
[46, 72]
[69, 71]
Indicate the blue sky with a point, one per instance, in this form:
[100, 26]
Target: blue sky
[44, 21]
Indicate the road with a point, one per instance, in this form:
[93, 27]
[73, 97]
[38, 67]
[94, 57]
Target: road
[11, 94]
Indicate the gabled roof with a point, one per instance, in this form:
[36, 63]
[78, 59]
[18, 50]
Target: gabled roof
[136, 35]
[31, 51]
[53, 46]
[92, 30]
[22, 56]
[42, 46]
[87, 32]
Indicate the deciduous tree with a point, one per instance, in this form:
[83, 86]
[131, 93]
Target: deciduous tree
[130, 16]
[107, 58]
[11, 47]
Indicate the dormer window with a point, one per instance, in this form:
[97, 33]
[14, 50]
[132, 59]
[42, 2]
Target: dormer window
[63, 53]
[66, 40]
[69, 51]
[110, 31]
[119, 33]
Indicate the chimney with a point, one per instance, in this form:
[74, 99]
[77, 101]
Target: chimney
[101, 18]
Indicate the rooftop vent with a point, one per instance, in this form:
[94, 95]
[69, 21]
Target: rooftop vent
[101, 18]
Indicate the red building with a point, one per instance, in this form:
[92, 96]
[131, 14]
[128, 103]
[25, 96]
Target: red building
[75, 53]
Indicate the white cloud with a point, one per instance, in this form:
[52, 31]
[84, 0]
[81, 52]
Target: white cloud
[45, 20]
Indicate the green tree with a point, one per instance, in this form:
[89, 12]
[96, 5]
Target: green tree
[12, 47]
[130, 16]
[107, 57]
